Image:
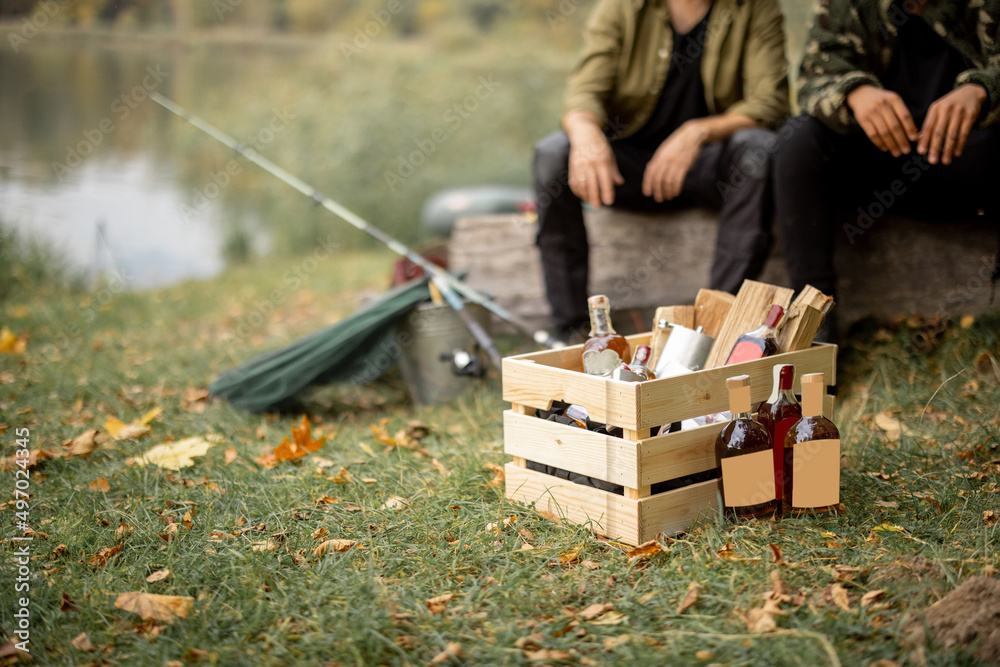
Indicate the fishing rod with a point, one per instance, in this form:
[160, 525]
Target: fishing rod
[446, 283]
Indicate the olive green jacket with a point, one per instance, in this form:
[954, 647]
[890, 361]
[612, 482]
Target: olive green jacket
[627, 52]
[851, 43]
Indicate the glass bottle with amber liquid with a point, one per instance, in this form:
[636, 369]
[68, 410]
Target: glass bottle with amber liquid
[744, 459]
[811, 473]
[777, 414]
[604, 349]
[759, 343]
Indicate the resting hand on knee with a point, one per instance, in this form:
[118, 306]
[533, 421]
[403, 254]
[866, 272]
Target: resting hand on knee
[593, 172]
[884, 118]
[665, 173]
[948, 123]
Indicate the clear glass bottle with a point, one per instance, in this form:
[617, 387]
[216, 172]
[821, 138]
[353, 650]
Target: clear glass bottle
[744, 459]
[811, 474]
[605, 348]
[759, 343]
[777, 414]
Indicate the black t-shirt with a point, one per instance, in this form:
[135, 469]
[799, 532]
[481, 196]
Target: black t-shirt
[683, 94]
[923, 66]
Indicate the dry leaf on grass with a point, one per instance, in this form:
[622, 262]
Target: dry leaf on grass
[990, 517]
[343, 476]
[99, 484]
[395, 503]
[103, 556]
[693, 591]
[610, 617]
[300, 444]
[83, 444]
[123, 530]
[761, 619]
[547, 655]
[157, 607]
[498, 478]
[320, 533]
[594, 610]
[438, 604]
[645, 550]
[871, 597]
[174, 455]
[230, 454]
[159, 575]
[82, 642]
[506, 523]
[335, 545]
[839, 595]
[892, 427]
[453, 651]
[570, 555]
[263, 545]
[11, 344]
[133, 430]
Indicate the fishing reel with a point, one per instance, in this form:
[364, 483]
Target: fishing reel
[464, 363]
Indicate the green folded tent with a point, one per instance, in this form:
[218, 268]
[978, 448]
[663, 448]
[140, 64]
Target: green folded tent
[341, 352]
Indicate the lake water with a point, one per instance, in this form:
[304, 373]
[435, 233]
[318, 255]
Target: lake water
[91, 166]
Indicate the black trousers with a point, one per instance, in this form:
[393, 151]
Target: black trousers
[733, 177]
[828, 184]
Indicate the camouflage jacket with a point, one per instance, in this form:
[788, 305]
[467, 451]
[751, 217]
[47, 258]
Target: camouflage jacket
[851, 43]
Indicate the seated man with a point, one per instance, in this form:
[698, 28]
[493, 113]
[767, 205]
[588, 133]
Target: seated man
[664, 109]
[903, 100]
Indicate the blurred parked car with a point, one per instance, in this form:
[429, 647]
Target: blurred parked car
[442, 209]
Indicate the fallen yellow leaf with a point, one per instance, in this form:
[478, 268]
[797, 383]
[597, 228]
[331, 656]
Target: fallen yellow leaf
[438, 604]
[11, 344]
[230, 455]
[693, 591]
[892, 427]
[498, 478]
[100, 484]
[645, 550]
[337, 545]
[175, 455]
[571, 555]
[871, 597]
[452, 651]
[82, 642]
[839, 595]
[157, 607]
[395, 503]
[300, 444]
[761, 619]
[83, 444]
[611, 617]
[159, 575]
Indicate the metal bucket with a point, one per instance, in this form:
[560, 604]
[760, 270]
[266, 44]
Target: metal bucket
[428, 333]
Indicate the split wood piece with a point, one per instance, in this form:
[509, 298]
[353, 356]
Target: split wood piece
[803, 319]
[711, 307]
[800, 329]
[747, 313]
[682, 315]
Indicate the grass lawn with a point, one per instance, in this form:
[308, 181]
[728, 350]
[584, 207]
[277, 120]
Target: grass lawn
[240, 537]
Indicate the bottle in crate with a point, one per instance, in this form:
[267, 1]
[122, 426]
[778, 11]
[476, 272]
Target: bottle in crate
[744, 458]
[605, 348]
[777, 414]
[811, 475]
[759, 343]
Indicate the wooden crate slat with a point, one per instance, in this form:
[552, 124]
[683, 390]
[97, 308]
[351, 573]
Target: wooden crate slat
[593, 454]
[674, 455]
[675, 511]
[608, 514]
[608, 401]
[687, 396]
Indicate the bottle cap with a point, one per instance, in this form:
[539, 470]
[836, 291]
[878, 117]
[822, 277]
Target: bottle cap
[774, 315]
[787, 376]
[598, 301]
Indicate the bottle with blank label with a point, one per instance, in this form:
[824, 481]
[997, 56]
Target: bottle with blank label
[744, 457]
[811, 474]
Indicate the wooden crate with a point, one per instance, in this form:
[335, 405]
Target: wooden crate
[535, 380]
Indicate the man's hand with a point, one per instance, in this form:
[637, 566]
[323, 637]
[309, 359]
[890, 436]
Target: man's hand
[593, 172]
[884, 118]
[948, 123]
[665, 173]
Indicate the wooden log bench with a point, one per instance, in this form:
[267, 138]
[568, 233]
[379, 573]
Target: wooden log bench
[899, 266]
